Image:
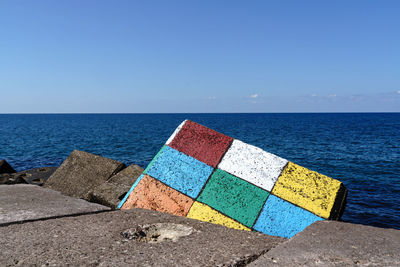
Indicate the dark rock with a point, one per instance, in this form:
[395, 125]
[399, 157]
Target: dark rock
[36, 176]
[23, 202]
[332, 243]
[117, 238]
[81, 172]
[114, 189]
[11, 178]
[5, 167]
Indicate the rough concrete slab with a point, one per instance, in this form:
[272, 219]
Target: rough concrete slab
[82, 171]
[118, 239]
[331, 243]
[19, 203]
[229, 183]
[111, 192]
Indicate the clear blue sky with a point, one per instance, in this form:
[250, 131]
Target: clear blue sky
[199, 56]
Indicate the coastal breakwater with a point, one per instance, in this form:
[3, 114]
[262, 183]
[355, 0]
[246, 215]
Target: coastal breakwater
[206, 175]
[41, 226]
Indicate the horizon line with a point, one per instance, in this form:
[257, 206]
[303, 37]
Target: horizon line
[160, 113]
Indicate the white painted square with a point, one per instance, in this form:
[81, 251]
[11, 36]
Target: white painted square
[252, 164]
[175, 132]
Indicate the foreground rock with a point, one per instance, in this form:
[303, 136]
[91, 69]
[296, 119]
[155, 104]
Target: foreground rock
[11, 178]
[19, 203]
[35, 176]
[114, 189]
[81, 172]
[330, 243]
[5, 167]
[129, 238]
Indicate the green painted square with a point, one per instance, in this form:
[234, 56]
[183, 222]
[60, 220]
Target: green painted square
[233, 197]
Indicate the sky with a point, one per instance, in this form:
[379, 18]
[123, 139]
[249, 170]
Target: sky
[199, 56]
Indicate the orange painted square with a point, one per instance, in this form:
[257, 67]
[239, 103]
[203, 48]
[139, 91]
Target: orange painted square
[153, 195]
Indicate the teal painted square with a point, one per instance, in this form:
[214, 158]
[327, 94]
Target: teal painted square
[233, 197]
[281, 218]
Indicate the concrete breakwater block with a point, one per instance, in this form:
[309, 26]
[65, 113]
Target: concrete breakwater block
[22, 202]
[81, 172]
[136, 237]
[332, 243]
[111, 192]
[34, 176]
[205, 175]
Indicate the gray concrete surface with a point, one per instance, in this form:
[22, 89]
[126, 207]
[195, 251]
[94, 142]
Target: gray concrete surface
[331, 243]
[22, 202]
[82, 171]
[108, 239]
[111, 192]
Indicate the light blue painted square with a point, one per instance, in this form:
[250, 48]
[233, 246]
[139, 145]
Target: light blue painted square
[281, 218]
[179, 171]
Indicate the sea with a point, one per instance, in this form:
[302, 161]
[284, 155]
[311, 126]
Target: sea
[360, 149]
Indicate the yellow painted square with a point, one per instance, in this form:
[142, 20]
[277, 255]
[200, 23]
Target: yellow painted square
[202, 212]
[307, 189]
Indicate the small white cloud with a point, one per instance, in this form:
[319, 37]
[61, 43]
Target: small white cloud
[313, 95]
[212, 97]
[333, 95]
[254, 96]
[398, 92]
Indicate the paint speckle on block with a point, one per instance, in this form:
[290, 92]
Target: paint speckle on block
[179, 171]
[202, 212]
[233, 197]
[281, 218]
[308, 189]
[201, 143]
[154, 195]
[252, 164]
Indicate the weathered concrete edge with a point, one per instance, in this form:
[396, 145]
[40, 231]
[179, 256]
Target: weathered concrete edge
[54, 217]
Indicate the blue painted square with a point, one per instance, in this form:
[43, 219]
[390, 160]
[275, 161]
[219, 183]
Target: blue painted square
[281, 218]
[179, 171]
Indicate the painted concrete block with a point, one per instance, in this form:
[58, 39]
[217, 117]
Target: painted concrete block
[211, 177]
[281, 218]
[202, 212]
[252, 164]
[179, 171]
[233, 197]
[201, 143]
[154, 195]
[310, 190]
[175, 133]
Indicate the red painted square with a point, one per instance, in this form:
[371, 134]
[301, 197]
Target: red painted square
[201, 143]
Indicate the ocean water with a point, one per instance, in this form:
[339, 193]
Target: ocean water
[360, 149]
